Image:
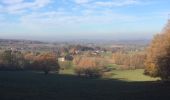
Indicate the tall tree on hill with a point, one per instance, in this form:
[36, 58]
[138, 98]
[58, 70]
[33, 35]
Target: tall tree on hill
[157, 63]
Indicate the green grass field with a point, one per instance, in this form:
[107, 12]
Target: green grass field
[124, 75]
[132, 75]
[24, 85]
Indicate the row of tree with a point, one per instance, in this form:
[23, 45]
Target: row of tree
[130, 60]
[17, 60]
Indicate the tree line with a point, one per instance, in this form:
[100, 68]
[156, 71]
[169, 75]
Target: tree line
[17, 60]
[129, 60]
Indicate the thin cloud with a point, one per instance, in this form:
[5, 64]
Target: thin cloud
[107, 3]
[14, 6]
[10, 2]
[81, 1]
[58, 19]
[116, 3]
[76, 16]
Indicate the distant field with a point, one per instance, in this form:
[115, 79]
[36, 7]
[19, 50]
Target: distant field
[24, 85]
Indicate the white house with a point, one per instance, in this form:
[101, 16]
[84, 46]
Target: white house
[62, 59]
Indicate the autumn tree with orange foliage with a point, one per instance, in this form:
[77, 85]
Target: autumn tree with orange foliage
[89, 67]
[157, 63]
[130, 60]
[46, 62]
[16, 60]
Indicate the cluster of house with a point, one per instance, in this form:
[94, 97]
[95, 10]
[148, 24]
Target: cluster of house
[70, 56]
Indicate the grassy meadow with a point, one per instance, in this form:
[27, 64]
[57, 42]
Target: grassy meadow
[125, 75]
[132, 75]
[123, 85]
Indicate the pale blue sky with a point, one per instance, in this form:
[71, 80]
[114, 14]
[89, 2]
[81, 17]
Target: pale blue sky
[82, 19]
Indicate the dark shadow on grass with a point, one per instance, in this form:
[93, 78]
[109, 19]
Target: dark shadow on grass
[37, 86]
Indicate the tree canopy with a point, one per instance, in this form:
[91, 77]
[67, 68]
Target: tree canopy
[157, 63]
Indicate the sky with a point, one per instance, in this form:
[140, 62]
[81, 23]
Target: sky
[82, 19]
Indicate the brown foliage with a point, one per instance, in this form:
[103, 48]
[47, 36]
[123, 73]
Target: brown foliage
[89, 67]
[45, 62]
[28, 61]
[130, 60]
[158, 55]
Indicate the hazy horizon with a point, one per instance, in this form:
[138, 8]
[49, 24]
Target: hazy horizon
[71, 38]
[52, 20]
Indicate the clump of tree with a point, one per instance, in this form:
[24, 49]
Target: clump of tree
[46, 62]
[130, 60]
[89, 66]
[11, 60]
[16, 60]
[158, 55]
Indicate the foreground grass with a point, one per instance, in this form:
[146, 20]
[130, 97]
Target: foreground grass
[37, 86]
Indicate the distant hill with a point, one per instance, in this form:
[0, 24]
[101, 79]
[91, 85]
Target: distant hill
[20, 41]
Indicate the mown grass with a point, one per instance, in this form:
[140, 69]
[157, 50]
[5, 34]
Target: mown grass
[132, 75]
[125, 75]
[67, 71]
[24, 85]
